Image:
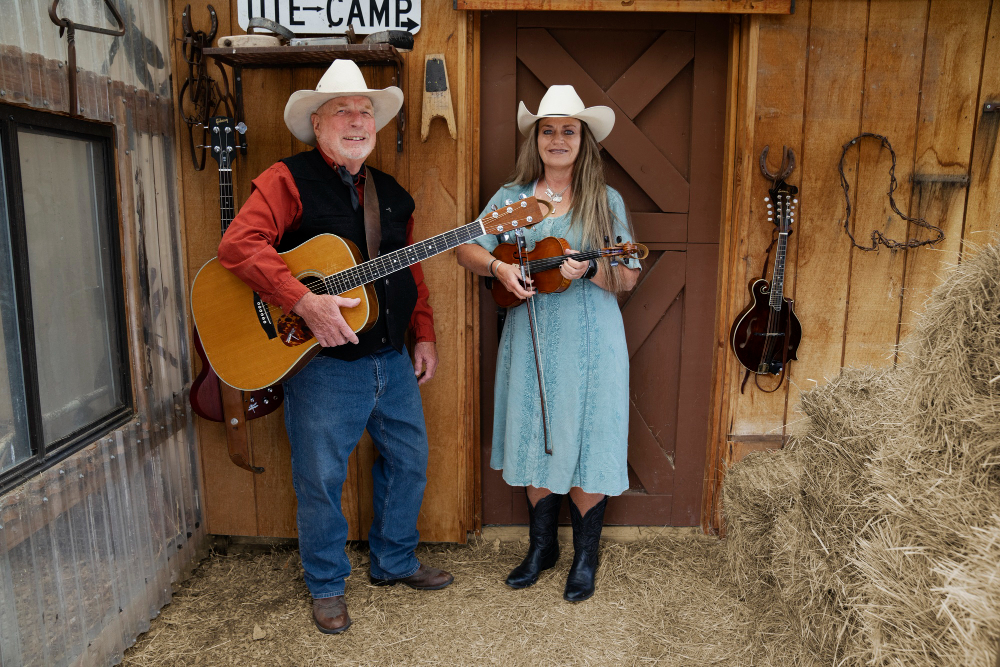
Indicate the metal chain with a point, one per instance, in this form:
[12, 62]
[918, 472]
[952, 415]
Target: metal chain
[877, 236]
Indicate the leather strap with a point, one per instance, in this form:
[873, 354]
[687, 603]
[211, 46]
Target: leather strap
[234, 412]
[373, 217]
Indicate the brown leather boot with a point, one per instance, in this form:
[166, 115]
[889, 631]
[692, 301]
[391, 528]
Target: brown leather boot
[330, 615]
[424, 579]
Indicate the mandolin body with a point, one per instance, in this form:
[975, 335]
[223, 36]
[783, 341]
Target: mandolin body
[763, 338]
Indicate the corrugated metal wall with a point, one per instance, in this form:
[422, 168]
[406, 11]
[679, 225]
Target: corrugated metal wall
[89, 547]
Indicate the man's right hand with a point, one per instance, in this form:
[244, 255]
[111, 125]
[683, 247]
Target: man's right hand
[322, 315]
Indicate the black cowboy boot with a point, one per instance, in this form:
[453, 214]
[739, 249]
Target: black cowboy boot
[543, 544]
[586, 543]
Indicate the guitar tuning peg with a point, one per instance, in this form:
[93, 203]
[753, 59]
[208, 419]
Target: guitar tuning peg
[614, 262]
[241, 127]
[522, 196]
[493, 207]
[215, 129]
[767, 199]
[618, 239]
[606, 240]
[507, 202]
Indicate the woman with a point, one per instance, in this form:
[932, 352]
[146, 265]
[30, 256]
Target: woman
[581, 341]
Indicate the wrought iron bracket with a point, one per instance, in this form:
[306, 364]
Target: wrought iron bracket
[70, 28]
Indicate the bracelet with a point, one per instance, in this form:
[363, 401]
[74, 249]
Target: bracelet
[491, 269]
[591, 270]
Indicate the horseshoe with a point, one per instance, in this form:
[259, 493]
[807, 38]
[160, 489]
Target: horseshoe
[787, 164]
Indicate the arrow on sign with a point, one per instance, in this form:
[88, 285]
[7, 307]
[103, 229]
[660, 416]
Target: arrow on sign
[409, 24]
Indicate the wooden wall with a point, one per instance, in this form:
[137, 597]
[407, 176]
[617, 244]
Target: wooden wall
[440, 175]
[919, 72]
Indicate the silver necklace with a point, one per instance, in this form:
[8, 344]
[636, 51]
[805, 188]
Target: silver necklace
[554, 196]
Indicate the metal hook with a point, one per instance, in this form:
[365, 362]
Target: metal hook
[69, 28]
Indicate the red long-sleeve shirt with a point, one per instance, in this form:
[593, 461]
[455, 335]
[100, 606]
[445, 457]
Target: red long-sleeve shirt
[274, 207]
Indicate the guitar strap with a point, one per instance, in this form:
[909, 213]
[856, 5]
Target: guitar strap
[373, 217]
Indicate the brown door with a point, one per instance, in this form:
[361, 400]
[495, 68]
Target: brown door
[665, 77]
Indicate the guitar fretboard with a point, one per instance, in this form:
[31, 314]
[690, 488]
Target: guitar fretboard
[778, 278]
[383, 265]
[227, 204]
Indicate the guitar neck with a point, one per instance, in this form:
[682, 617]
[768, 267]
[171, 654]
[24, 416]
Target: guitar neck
[227, 203]
[383, 265]
[778, 276]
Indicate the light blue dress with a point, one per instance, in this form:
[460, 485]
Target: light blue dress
[585, 371]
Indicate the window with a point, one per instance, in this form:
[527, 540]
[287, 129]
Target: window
[64, 375]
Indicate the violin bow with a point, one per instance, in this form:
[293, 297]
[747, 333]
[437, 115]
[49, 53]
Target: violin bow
[521, 260]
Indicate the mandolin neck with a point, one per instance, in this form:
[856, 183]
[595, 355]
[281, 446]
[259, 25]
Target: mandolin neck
[778, 276]
[383, 265]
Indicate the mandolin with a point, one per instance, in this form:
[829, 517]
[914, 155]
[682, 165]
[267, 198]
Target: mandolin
[253, 344]
[208, 395]
[765, 336]
[543, 261]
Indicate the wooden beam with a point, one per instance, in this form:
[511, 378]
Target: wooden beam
[695, 6]
[741, 109]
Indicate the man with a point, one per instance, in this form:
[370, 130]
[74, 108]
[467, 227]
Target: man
[357, 381]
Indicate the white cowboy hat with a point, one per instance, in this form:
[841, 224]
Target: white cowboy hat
[341, 79]
[563, 102]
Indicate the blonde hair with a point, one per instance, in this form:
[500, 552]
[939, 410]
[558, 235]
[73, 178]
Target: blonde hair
[590, 208]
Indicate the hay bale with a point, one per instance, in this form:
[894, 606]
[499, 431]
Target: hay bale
[884, 545]
[763, 487]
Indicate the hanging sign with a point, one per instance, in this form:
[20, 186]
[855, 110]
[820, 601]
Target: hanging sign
[332, 17]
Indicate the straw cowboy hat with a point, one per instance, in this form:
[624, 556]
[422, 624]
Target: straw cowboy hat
[563, 102]
[341, 79]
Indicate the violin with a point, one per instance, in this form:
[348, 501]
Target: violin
[542, 264]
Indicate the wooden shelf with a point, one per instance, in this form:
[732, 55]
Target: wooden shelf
[259, 57]
[304, 56]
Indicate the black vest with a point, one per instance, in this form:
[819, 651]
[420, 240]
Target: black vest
[327, 209]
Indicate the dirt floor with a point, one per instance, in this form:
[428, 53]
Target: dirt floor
[658, 602]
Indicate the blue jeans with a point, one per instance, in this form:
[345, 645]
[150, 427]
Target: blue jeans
[328, 404]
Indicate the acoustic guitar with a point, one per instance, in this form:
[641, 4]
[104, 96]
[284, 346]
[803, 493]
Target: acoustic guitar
[253, 344]
[208, 396]
[766, 335]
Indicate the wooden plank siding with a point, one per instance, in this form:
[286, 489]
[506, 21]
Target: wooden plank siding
[437, 173]
[920, 73]
[699, 6]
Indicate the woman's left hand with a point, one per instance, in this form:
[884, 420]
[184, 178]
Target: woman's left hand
[572, 269]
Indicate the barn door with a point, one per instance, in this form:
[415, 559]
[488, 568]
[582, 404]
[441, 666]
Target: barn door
[665, 77]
